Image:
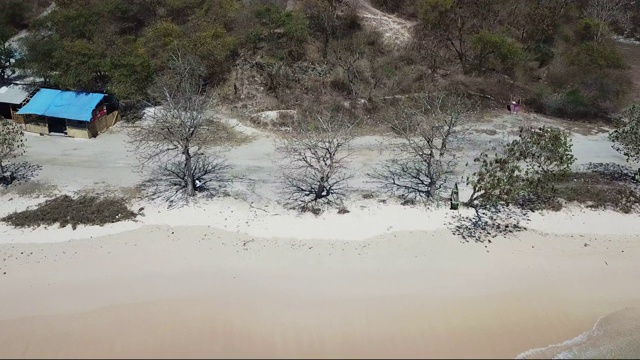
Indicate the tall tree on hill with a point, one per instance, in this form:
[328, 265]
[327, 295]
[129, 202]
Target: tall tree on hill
[175, 139]
[7, 54]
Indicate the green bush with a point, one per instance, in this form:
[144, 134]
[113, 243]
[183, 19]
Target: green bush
[591, 55]
[543, 54]
[15, 13]
[583, 94]
[496, 52]
[590, 29]
[280, 32]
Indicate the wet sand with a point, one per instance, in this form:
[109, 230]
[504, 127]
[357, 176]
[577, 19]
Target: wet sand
[198, 292]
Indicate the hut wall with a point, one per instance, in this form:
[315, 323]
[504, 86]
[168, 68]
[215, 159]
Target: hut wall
[36, 124]
[17, 118]
[78, 129]
[102, 124]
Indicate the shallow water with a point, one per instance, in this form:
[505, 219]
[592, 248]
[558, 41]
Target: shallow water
[615, 336]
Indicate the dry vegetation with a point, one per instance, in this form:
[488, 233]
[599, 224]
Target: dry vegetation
[65, 210]
[598, 191]
[271, 55]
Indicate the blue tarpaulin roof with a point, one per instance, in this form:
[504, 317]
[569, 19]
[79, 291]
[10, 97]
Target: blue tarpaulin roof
[71, 105]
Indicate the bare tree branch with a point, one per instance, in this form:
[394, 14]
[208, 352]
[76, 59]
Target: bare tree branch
[610, 13]
[174, 141]
[428, 137]
[314, 159]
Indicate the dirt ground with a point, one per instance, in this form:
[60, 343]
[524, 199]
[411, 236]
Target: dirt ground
[107, 162]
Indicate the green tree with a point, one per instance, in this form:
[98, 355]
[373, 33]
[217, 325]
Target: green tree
[129, 75]
[41, 51]
[213, 46]
[496, 52]
[525, 171]
[81, 65]
[15, 13]
[8, 54]
[157, 39]
[596, 56]
[626, 138]
[453, 22]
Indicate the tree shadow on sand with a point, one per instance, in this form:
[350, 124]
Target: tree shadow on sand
[613, 172]
[488, 223]
[170, 190]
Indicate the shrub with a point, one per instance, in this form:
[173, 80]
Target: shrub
[280, 32]
[579, 92]
[524, 172]
[496, 52]
[591, 55]
[590, 29]
[597, 191]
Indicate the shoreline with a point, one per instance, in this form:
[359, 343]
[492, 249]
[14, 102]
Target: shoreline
[162, 290]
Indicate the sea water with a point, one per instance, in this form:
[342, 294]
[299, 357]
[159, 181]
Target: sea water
[615, 336]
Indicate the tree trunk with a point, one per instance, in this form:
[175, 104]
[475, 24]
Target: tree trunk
[325, 47]
[188, 173]
[2, 170]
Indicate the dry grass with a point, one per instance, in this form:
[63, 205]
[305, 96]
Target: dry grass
[65, 210]
[598, 191]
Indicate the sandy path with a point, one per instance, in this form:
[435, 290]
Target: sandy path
[395, 31]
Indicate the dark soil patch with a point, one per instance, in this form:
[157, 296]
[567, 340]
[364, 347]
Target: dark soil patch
[65, 210]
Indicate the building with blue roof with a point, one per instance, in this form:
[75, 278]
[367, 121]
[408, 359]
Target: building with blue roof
[71, 113]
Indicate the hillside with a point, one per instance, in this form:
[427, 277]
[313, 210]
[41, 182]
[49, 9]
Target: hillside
[271, 55]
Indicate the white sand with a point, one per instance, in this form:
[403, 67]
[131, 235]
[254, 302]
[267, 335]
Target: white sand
[196, 291]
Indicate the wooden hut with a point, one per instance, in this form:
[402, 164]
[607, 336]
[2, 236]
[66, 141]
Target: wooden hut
[70, 113]
[12, 97]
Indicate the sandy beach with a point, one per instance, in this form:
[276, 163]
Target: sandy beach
[198, 291]
[240, 276]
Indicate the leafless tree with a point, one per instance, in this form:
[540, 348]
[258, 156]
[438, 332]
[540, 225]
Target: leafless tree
[174, 140]
[610, 13]
[314, 158]
[350, 56]
[424, 151]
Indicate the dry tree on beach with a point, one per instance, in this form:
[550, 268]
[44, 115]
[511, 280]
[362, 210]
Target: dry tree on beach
[314, 158]
[428, 132]
[176, 139]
